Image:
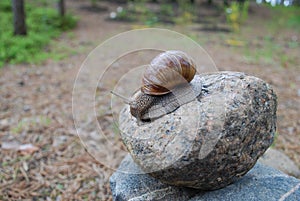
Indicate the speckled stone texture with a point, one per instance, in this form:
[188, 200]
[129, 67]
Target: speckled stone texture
[261, 183]
[129, 182]
[210, 142]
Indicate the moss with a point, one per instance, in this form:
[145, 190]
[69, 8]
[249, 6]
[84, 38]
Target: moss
[43, 24]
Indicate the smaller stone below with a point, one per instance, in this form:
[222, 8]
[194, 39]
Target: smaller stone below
[261, 183]
[280, 161]
[129, 182]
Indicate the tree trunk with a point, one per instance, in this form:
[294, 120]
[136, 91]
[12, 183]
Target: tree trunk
[226, 3]
[61, 7]
[19, 17]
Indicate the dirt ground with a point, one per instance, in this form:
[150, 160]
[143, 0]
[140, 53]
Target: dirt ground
[36, 108]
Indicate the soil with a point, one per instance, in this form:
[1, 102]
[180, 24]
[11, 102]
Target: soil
[36, 108]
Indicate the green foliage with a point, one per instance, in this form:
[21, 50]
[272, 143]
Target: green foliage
[5, 6]
[43, 24]
[166, 9]
[182, 12]
[271, 52]
[26, 123]
[294, 21]
[94, 2]
[186, 12]
[236, 14]
[285, 17]
[275, 48]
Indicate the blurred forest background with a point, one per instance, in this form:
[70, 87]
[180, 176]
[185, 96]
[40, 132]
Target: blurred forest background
[44, 42]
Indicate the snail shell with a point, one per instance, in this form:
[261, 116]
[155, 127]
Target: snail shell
[167, 71]
[172, 71]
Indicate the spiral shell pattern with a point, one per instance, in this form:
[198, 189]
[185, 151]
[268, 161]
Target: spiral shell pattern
[167, 71]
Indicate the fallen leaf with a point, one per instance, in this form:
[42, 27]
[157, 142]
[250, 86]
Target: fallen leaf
[27, 149]
[12, 145]
[25, 166]
[237, 43]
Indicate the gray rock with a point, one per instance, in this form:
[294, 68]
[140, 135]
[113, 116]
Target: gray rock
[129, 182]
[280, 161]
[260, 183]
[210, 142]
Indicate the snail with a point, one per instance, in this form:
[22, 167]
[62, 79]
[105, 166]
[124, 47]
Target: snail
[168, 82]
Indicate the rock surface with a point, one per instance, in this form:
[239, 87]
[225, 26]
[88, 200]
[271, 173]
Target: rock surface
[280, 161]
[129, 182]
[210, 142]
[259, 184]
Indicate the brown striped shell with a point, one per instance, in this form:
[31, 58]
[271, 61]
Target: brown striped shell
[167, 71]
[172, 71]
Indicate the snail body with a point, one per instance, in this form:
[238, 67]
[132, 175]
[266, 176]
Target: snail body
[150, 107]
[168, 82]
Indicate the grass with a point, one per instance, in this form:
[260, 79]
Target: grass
[269, 52]
[285, 18]
[273, 46]
[43, 24]
[26, 123]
